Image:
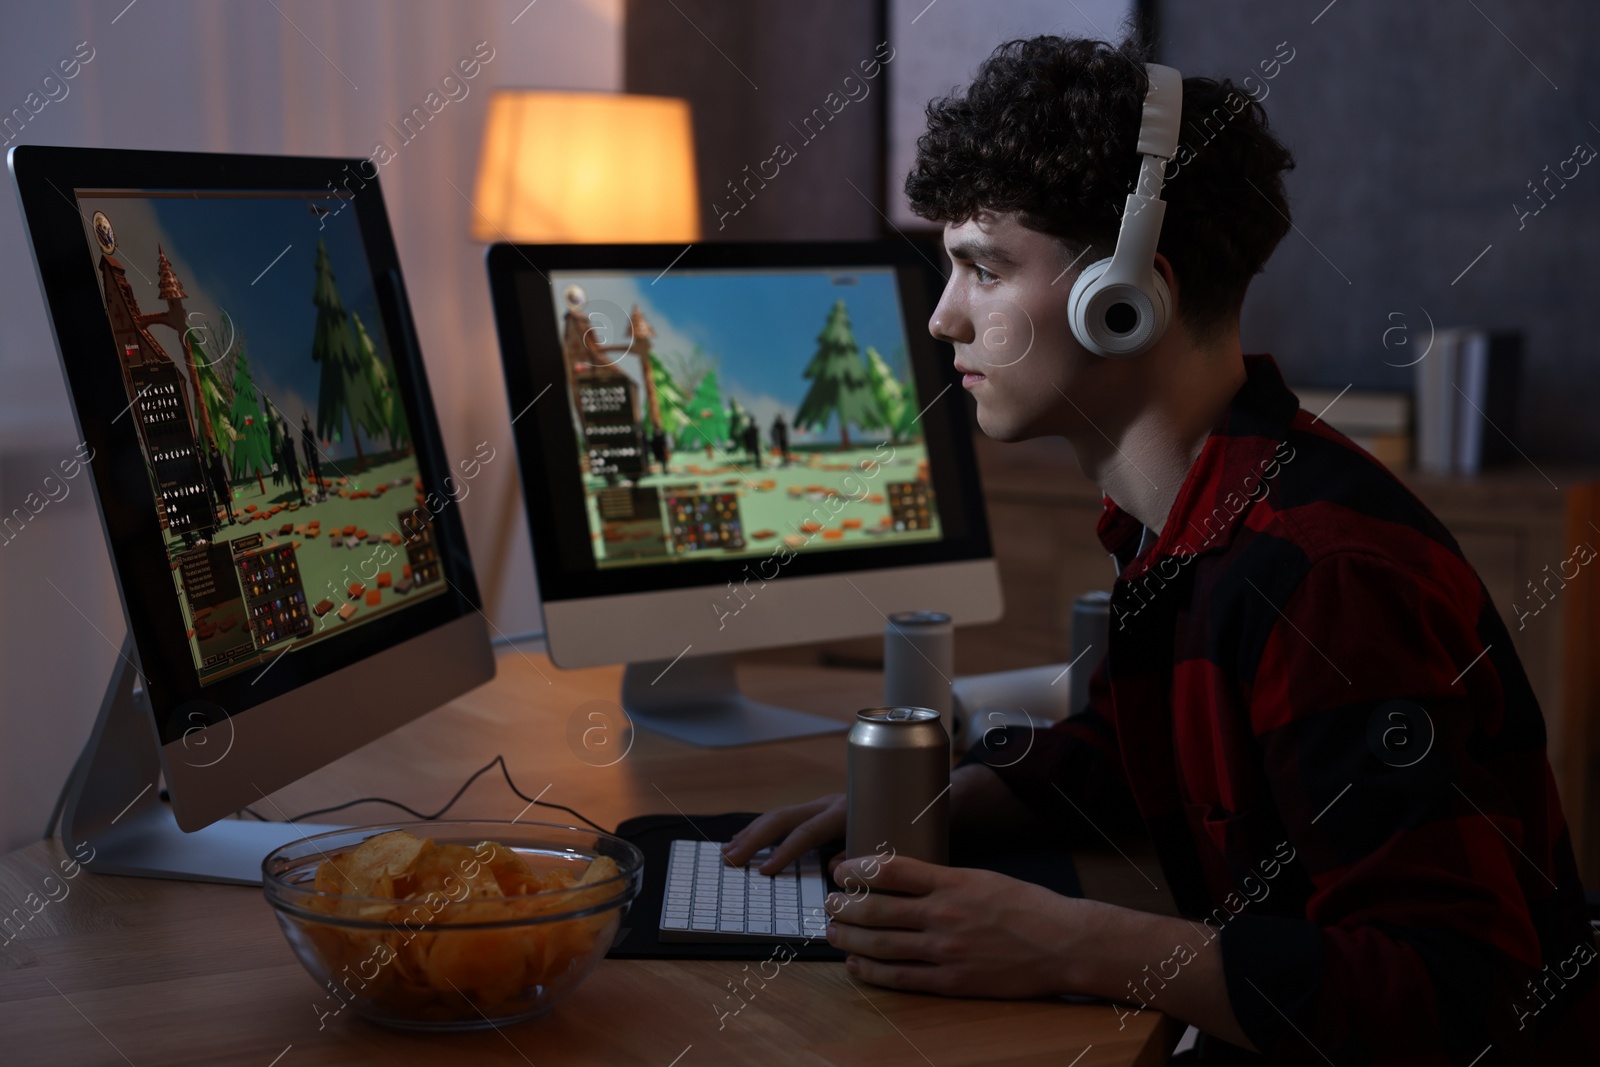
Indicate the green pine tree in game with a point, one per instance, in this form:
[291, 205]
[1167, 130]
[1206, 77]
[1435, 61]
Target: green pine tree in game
[708, 422]
[252, 448]
[671, 395]
[214, 395]
[839, 383]
[669, 391]
[345, 390]
[390, 406]
[892, 396]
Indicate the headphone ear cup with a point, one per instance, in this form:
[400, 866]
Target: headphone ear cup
[1078, 300]
[1118, 320]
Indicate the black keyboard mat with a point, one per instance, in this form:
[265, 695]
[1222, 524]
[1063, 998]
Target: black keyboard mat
[639, 939]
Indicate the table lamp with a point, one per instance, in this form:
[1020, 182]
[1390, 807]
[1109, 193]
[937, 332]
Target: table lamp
[574, 167]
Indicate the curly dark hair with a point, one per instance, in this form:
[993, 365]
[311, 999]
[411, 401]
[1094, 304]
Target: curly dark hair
[1048, 129]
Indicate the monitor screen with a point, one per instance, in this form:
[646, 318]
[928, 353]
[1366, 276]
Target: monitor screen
[261, 381]
[742, 414]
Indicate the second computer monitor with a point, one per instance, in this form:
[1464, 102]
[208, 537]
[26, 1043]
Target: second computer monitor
[733, 447]
[276, 497]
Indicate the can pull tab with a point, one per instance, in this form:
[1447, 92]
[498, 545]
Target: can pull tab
[900, 714]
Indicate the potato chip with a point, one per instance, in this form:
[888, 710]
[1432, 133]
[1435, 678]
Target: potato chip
[454, 870]
[359, 871]
[509, 868]
[601, 869]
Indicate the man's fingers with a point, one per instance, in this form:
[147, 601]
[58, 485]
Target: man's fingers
[919, 977]
[898, 874]
[881, 944]
[876, 909]
[765, 830]
[801, 839]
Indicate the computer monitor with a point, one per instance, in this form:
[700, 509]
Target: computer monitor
[278, 505]
[735, 446]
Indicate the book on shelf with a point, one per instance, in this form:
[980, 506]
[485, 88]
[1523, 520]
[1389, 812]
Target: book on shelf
[1466, 396]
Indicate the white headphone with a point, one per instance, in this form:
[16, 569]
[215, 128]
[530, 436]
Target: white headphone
[1120, 306]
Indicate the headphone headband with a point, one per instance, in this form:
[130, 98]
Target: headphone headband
[1120, 306]
[1163, 109]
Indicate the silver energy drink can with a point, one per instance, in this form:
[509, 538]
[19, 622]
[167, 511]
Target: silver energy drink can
[919, 662]
[899, 784]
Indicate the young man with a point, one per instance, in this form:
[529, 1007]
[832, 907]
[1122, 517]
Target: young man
[1308, 698]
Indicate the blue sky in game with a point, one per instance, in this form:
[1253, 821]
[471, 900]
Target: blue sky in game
[221, 249]
[758, 328]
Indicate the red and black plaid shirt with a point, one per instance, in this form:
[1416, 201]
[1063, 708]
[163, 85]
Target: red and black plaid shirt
[1311, 703]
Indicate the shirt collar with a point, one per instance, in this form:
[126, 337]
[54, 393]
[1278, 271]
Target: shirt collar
[1224, 481]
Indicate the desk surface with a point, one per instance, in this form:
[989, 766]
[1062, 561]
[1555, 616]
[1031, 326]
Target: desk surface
[132, 970]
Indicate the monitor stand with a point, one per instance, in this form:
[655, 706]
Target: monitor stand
[696, 700]
[112, 804]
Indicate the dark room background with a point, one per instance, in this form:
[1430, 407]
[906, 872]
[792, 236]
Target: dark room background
[1417, 129]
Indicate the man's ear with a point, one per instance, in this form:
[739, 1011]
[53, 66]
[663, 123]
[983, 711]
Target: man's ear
[1164, 268]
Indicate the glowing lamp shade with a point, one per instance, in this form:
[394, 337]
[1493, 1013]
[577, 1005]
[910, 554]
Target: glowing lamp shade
[578, 168]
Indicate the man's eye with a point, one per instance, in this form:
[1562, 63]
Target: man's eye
[982, 273]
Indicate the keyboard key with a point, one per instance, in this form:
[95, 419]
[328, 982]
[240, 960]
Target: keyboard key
[788, 928]
[673, 922]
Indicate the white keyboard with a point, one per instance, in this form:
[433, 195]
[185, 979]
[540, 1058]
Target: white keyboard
[706, 900]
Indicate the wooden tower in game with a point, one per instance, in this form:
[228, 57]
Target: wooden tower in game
[607, 398]
[158, 395]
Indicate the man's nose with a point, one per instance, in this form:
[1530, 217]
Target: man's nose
[950, 321]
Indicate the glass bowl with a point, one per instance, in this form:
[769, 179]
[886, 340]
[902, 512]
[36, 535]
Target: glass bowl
[452, 935]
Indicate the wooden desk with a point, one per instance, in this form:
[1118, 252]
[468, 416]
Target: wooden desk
[132, 970]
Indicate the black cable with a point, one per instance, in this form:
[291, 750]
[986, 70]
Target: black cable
[518, 638]
[501, 760]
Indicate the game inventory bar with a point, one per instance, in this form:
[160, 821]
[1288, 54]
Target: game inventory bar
[910, 505]
[211, 587]
[700, 521]
[422, 554]
[274, 593]
[242, 597]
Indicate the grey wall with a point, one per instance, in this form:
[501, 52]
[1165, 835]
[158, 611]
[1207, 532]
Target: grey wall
[750, 70]
[1416, 128]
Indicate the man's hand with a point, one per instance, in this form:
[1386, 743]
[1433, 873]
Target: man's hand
[802, 826]
[971, 933]
[961, 931]
[980, 803]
